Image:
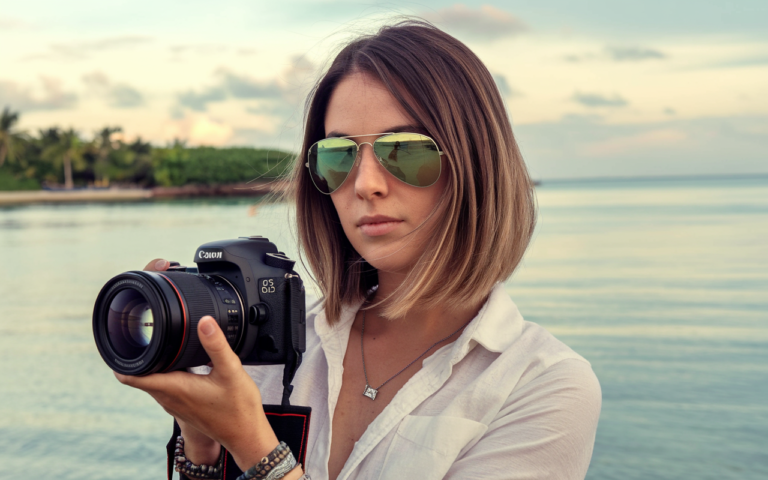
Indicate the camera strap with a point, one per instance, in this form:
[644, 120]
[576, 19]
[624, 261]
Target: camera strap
[290, 423]
[297, 325]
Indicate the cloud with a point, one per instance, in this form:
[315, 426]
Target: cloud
[622, 145]
[116, 95]
[594, 100]
[484, 23]
[633, 54]
[585, 146]
[192, 52]
[750, 61]
[199, 48]
[199, 101]
[199, 129]
[504, 88]
[276, 95]
[247, 51]
[619, 54]
[263, 139]
[81, 50]
[50, 97]
[8, 23]
[230, 85]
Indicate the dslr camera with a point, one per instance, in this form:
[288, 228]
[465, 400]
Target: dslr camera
[146, 322]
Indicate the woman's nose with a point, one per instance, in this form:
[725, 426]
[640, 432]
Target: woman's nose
[370, 178]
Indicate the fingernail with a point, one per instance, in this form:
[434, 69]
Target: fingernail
[207, 327]
[160, 264]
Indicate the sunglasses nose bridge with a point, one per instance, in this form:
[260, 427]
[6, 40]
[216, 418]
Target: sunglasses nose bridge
[360, 151]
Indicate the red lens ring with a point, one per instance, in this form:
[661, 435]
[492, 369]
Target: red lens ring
[184, 316]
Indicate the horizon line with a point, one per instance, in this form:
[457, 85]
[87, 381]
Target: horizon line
[735, 176]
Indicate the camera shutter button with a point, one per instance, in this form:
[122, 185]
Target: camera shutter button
[280, 261]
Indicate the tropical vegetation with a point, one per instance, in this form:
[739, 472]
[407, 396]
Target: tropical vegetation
[65, 158]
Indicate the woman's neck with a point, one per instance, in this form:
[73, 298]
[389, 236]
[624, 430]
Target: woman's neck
[420, 322]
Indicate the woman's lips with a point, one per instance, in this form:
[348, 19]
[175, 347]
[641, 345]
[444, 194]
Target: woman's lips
[378, 225]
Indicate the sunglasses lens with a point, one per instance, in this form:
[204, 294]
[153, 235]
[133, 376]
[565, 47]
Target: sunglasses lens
[330, 161]
[411, 157]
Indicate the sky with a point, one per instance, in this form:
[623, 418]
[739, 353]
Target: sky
[594, 88]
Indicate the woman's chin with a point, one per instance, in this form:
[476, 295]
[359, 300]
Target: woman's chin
[391, 266]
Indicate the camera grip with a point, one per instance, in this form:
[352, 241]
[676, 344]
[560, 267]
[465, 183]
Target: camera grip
[274, 337]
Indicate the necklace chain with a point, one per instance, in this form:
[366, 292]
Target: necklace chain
[371, 392]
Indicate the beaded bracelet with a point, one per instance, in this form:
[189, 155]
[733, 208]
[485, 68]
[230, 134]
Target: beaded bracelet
[203, 472]
[272, 467]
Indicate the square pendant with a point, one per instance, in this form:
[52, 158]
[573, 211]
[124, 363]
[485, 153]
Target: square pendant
[370, 392]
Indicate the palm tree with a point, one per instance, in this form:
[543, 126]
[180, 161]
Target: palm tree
[104, 138]
[7, 120]
[68, 148]
[141, 161]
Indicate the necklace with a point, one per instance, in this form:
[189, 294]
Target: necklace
[371, 392]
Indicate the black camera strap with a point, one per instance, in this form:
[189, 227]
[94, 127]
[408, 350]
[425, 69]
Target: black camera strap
[290, 423]
[297, 324]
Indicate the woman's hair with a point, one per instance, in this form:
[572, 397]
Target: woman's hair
[488, 207]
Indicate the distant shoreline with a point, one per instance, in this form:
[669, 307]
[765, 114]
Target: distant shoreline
[27, 197]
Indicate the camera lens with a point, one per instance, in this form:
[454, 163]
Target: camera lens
[130, 323]
[146, 322]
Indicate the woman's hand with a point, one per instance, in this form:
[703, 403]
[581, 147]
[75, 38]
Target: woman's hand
[198, 447]
[224, 406]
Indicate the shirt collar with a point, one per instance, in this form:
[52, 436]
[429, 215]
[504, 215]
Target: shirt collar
[495, 327]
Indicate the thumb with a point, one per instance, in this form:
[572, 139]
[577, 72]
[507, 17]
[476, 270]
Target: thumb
[216, 345]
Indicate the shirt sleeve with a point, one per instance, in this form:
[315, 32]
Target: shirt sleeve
[546, 430]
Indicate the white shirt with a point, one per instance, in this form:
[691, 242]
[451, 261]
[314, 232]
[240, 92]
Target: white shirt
[505, 400]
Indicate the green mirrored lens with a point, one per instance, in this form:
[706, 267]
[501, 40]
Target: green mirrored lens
[330, 161]
[411, 157]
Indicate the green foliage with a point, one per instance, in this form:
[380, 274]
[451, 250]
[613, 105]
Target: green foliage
[9, 181]
[55, 156]
[215, 166]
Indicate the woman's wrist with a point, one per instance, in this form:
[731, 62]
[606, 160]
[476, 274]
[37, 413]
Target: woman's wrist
[250, 453]
[280, 463]
[202, 452]
[199, 448]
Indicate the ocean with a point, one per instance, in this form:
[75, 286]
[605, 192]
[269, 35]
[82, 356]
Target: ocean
[661, 284]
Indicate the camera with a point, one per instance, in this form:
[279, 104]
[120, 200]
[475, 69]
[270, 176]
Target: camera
[146, 322]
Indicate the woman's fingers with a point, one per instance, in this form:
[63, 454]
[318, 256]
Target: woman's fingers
[157, 265]
[225, 361]
[166, 382]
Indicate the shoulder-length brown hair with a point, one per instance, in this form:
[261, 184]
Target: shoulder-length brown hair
[489, 203]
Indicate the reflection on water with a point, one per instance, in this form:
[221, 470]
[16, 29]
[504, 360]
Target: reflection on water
[661, 285]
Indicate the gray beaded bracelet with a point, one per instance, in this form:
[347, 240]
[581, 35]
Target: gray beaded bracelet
[272, 467]
[202, 472]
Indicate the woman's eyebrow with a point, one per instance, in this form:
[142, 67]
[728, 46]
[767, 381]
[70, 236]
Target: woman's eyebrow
[396, 129]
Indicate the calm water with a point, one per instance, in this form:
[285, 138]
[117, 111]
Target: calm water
[662, 285]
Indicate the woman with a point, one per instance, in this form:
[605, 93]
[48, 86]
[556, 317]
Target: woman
[413, 204]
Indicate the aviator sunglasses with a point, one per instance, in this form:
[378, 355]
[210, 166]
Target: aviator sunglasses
[411, 157]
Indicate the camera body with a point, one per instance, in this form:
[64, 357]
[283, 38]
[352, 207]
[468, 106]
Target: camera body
[146, 322]
[274, 312]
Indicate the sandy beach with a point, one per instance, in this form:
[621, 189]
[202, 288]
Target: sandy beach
[137, 194]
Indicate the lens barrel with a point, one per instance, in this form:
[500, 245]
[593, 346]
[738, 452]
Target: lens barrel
[146, 322]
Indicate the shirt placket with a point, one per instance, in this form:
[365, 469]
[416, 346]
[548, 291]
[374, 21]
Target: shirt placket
[434, 373]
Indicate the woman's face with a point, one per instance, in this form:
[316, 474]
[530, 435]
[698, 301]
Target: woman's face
[378, 211]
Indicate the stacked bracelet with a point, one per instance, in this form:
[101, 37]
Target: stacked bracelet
[203, 472]
[272, 467]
